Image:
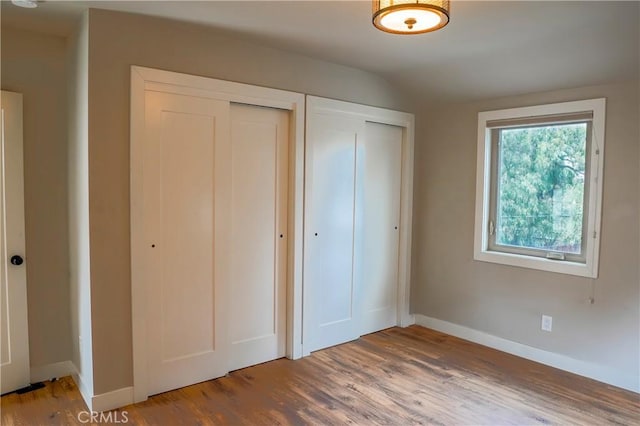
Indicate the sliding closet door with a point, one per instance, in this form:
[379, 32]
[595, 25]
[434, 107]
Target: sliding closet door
[216, 227]
[185, 181]
[358, 178]
[332, 298]
[259, 146]
[377, 217]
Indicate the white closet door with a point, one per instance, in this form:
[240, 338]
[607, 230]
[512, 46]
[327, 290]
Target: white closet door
[377, 216]
[332, 300]
[186, 177]
[259, 140]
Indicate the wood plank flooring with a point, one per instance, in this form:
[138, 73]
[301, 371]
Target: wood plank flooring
[393, 377]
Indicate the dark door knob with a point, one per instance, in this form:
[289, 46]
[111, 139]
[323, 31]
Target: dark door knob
[16, 260]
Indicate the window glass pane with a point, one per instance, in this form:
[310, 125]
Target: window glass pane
[541, 187]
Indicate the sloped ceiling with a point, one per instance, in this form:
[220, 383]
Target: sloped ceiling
[489, 49]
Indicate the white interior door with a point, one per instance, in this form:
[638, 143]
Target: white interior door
[186, 180]
[259, 146]
[332, 299]
[377, 217]
[14, 349]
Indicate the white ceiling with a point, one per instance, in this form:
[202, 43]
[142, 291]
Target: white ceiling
[489, 49]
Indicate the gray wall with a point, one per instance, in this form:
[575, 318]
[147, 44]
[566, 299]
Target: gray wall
[117, 41]
[35, 65]
[507, 301]
[447, 284]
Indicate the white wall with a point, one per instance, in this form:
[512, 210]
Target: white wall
[506, 301]
[79, 243]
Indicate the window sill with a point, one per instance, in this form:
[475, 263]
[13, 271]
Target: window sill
[549, 265]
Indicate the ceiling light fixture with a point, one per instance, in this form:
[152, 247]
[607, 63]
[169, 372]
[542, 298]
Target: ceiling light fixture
[29, 4]
[410, 16]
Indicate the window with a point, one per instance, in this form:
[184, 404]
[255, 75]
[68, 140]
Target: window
[538, 196]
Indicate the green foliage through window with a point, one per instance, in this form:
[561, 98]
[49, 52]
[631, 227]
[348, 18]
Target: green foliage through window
[541, 187]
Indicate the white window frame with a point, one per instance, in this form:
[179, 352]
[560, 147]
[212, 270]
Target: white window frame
[593, 210]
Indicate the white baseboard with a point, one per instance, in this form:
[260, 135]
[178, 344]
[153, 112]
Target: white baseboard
[85, 391]
[407, 320]
[41, 373]
[112, 400]
[597, 372]
[105, 401]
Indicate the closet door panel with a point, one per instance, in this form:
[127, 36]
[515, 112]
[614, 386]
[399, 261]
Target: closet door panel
[259, 140]
[377, 216]
[331, 145]
[184, 177]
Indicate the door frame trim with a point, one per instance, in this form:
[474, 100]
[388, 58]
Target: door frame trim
[143, 79]
[315, 104]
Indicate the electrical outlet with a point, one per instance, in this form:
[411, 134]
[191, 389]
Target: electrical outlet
[547, 323]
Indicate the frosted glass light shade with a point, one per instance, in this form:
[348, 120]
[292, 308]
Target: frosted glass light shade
[29, 4]
[410, 16]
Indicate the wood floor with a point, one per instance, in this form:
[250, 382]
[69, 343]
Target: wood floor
[394, 377]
